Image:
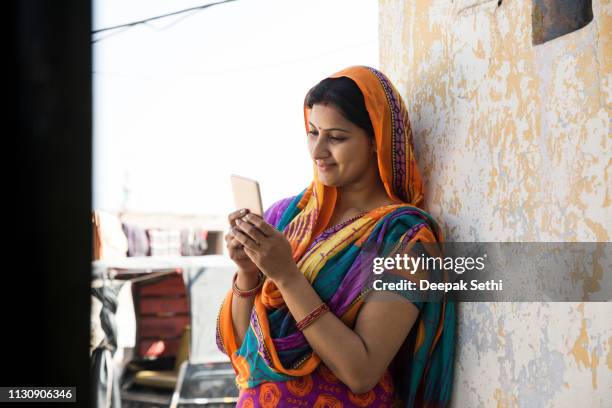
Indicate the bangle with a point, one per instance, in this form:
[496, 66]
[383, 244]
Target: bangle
[250, 292]
[312, 316]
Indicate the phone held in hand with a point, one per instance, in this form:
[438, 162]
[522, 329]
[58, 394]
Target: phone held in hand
[247, 194]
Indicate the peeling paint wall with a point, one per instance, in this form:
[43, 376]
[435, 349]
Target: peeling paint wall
[514, 144]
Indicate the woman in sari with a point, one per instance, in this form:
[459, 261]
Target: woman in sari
[301, 325]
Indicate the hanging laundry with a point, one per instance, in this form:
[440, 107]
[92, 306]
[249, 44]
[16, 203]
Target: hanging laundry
[194, 241]
[164, 242]
[108, 238]
[138, 240]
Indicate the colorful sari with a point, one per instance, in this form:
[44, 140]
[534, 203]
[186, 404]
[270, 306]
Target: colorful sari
[335, 261]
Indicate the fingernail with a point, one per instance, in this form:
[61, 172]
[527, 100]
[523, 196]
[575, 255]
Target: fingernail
[238, 221]
[243, 211]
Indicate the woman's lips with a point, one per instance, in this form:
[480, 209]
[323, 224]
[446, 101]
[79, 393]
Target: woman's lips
[324, 167]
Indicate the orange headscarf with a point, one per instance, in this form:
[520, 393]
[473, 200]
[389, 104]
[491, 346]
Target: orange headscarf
[393, 135]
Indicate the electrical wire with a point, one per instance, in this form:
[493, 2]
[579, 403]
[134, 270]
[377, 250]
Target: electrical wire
[145, 21]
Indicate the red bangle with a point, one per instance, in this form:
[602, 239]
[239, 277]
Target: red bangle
[312, 316]
[250, 292]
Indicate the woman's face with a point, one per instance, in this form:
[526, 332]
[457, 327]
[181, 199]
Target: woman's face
[342, 151]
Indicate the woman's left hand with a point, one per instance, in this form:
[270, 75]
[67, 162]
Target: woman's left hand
[266, 246]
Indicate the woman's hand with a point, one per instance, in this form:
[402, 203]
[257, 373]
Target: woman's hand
[236, 250]
[265, 246]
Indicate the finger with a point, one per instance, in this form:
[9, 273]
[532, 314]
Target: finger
[231, 242]
[250, 230]
[236, 214]
[244, 239]
[265, 228]
[240, 256]
[235, 245]
[248, 251]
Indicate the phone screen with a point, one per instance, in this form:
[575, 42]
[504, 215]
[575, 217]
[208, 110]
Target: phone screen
[247, 194]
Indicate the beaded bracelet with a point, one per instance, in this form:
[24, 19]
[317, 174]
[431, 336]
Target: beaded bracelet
[250, 292]
[312, 316]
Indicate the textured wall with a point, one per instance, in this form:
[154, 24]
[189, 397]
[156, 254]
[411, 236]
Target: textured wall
[514, 144]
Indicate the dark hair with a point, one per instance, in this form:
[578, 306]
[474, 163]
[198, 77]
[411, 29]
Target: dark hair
[344, 93]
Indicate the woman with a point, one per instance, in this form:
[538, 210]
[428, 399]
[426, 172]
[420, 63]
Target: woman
[296, 324]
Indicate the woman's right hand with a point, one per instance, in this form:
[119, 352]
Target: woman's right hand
[236, 250]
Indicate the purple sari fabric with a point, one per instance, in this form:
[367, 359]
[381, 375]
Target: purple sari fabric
[273, 214]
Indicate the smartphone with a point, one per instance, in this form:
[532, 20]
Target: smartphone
[247, 194]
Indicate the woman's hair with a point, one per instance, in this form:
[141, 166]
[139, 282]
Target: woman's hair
[344, 93]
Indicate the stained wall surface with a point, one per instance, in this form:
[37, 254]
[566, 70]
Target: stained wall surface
[514, 144]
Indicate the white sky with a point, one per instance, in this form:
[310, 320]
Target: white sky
[179, 107]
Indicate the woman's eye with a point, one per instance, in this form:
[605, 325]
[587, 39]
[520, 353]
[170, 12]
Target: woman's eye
[334, 139]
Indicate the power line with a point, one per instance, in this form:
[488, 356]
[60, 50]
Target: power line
[111, 34]
[146, 20]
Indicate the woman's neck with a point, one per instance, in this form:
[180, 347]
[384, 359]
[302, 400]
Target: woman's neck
[362, 197]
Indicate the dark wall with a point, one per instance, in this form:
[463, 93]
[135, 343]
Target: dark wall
[45, 278]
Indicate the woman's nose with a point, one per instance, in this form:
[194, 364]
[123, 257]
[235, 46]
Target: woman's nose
[319, 149]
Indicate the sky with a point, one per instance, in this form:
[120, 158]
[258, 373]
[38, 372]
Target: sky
[183, 102]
